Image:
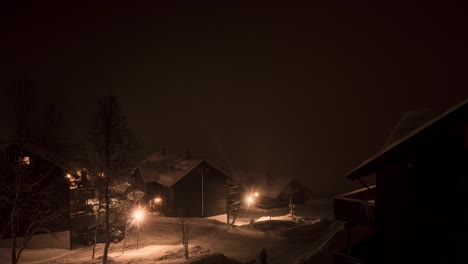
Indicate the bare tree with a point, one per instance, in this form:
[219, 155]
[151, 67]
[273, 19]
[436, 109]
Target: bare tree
[114, 145]
[27, 186]
[185, 228]
[28, 207]
[22, 101]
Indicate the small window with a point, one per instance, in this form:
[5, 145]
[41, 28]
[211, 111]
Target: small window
[25, 160]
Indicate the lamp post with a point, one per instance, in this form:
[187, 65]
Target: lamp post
[138, 216]
[157, 201]
[250, 200]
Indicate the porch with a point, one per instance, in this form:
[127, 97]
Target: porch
[357, 206]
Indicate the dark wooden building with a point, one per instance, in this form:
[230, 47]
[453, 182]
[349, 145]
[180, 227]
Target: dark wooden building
[43, 195]
[417, 211]
[183, 185]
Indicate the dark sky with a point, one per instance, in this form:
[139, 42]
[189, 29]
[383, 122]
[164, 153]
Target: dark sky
[303, 91]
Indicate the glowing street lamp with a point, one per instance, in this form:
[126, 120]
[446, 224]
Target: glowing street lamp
[255, 194]
[250, 200]
[155, 204]
[138, 215]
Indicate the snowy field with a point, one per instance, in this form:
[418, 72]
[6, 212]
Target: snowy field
[286, 240]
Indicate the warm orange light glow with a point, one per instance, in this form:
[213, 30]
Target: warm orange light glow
[256, 194]
[26, 160]
[249, 199]
[157, 200]
[138, 214]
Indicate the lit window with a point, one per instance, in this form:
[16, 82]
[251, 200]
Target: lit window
[25, 161]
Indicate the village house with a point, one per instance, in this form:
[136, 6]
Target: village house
[69, 191]
[183, 185]
[43, 201]
[416, 211]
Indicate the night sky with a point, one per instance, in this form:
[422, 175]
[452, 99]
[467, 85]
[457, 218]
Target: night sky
[304, 91]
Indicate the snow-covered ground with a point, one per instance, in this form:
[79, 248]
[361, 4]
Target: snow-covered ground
[286, 240]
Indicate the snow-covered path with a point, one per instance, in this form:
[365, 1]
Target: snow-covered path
[160, 241]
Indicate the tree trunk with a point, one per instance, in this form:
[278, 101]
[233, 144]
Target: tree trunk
[98, 217]
[107, 155]
[106, 197]
[13, 239]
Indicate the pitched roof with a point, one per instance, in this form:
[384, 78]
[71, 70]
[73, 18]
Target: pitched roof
[167, 169]
[37, 150]
[401, 135]
[410, 121]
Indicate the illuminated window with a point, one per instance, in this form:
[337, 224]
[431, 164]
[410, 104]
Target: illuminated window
[25, 160]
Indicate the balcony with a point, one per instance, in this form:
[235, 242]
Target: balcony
[82, 194]
[357, 206]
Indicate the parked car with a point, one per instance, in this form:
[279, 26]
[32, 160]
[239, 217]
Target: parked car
[116, 235]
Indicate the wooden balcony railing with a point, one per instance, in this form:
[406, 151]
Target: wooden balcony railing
[82, 194]
[357, 206]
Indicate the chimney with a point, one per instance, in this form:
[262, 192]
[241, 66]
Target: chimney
[163, 151]
[188, 154]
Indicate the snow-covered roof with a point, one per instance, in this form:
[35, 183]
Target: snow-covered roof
[401, 135]
[167, 168]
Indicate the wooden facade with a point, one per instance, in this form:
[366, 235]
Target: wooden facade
[44, 181]
[200, 190]
[420, 213]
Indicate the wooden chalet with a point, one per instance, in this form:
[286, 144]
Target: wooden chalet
[46, 185]
[183, 185]
[416, 212]
[71, 191]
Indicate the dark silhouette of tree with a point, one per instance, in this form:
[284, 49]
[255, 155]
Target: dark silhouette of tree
[27, 199]
[185, 228]
[22, 99]
[114, 145]
[26, 187]
[33, 120]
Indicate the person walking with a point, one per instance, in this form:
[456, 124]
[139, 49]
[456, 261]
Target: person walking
[263, 256]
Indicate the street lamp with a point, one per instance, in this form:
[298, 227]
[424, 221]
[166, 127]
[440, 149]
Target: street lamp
[138, 215]
[250, 200]
[156, 205]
